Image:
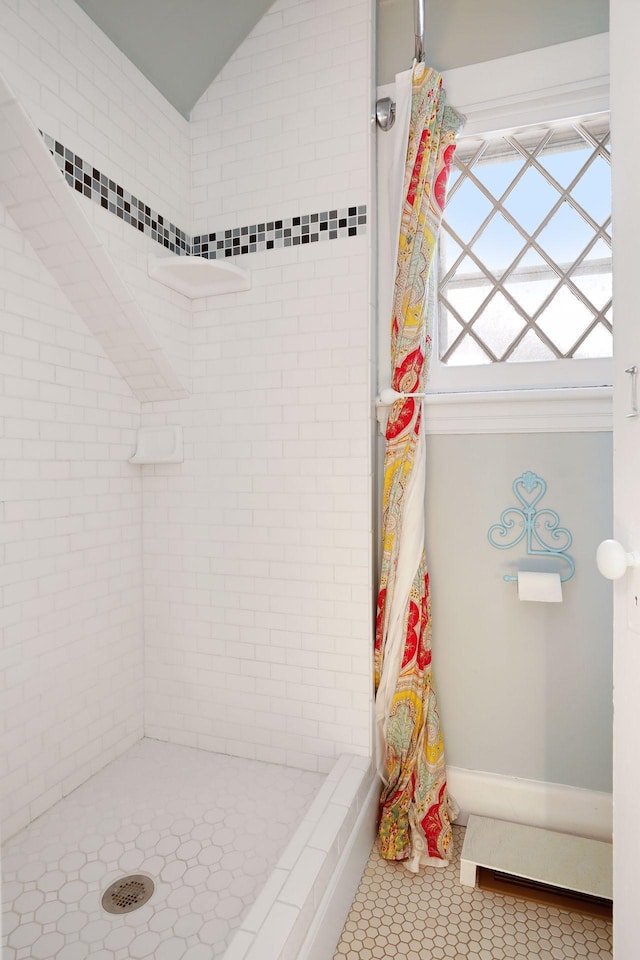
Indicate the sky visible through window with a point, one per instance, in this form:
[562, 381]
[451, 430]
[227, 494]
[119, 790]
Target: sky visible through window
[525, 255]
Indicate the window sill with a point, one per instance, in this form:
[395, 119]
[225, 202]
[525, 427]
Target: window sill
[547, 410]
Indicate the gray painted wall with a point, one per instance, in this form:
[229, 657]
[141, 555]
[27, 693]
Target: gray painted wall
[459, 32]
[525, 689]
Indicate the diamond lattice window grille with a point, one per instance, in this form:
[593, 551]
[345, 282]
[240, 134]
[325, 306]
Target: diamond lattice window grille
[525, 247]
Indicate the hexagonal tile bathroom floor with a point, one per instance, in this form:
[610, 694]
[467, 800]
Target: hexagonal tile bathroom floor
[207, 828]
[431, 917]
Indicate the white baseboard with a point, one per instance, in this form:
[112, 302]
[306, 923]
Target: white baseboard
[554, 806]
[329, 919]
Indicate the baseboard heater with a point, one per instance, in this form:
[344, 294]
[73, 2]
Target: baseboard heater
[531, 890]
[558, 869]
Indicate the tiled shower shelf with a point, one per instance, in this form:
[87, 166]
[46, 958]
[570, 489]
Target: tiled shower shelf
[196, 277]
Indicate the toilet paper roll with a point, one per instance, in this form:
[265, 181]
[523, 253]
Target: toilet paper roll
[543, 587]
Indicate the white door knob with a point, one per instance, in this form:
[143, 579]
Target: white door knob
[613, 560]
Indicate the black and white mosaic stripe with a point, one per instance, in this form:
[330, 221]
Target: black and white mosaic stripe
[97, 186]
[270, 235]
[292, 232]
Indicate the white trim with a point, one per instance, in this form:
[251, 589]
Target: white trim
[568, 410]
[538, 375]
[554, 806]
[560, 410]
[553, 83]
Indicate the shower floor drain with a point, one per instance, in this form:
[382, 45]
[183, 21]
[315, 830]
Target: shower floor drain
[128, 893]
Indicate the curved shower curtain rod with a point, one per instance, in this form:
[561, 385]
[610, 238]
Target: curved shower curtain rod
[385, 107]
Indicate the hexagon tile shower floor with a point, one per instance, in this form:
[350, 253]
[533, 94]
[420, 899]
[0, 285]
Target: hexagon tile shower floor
[208, 828]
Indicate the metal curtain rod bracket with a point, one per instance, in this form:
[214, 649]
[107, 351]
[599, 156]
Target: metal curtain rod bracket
[385, 113]
[544, 535]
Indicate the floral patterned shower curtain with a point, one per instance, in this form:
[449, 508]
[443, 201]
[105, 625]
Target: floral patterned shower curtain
[415, 807]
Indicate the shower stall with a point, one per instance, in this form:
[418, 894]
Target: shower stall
[187, 491]
[190, 451]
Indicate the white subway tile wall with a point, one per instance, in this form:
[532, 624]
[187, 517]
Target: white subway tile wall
[71, 545]
[41, 203]
[72, 689]
[166, 312]
[285, 127]
[258, 547]
[81, 90]
[78, 87]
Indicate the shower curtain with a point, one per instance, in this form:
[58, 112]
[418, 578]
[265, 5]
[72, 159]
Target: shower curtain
[415, 807]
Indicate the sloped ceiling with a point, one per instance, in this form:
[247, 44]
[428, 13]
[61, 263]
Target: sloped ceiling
[179, 45]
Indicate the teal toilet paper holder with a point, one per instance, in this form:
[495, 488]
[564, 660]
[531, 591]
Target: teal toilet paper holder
[539, 527]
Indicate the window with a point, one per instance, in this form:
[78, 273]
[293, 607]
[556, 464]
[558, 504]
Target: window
[524, 271]
[525, 247]
[522, 334]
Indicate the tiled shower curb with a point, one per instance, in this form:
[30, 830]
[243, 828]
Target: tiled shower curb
[301, 909]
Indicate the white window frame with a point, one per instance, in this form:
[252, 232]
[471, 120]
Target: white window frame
[555, 83]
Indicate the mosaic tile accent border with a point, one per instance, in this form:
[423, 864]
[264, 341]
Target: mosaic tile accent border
[97, 186]
[272, 235]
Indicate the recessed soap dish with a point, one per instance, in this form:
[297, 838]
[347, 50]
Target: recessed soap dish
[159, 445]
